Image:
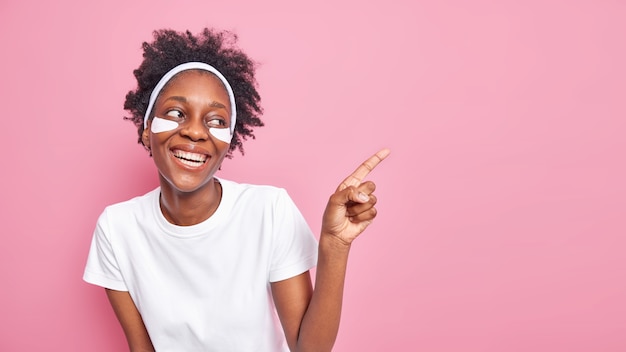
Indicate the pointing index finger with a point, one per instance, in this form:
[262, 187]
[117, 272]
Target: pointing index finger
[364, 169]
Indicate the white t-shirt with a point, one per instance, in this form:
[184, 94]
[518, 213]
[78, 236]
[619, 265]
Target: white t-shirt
[205, 287]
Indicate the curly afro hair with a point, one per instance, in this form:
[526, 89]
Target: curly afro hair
[216, 48]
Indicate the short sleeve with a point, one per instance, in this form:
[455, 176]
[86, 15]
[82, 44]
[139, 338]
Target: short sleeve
[294, 247]
[102, 268]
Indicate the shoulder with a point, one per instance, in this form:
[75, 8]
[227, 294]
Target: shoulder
[246, 190]
[258, 199]
[139, 206]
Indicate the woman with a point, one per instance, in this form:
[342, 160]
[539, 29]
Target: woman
[206, 264]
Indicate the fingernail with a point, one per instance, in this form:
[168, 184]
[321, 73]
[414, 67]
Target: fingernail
[363, 197]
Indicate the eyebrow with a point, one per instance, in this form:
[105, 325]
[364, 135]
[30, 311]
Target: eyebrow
[213, 104]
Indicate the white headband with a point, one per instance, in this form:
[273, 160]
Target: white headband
[192, 66]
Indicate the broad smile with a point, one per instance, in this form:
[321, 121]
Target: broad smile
[189, 158]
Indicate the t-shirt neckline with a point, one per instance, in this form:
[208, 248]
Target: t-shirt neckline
[192, 231]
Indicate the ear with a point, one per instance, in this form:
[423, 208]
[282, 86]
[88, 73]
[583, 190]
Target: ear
[145, 136]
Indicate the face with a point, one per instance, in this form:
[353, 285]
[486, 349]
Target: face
[196, 106]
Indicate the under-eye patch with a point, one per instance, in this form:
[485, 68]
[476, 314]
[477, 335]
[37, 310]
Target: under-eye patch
[223, 134]
[160, 125]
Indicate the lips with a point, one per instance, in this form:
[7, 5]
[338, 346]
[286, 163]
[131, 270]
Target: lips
[190, 158]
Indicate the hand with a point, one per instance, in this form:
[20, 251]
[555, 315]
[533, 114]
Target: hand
[351, 208]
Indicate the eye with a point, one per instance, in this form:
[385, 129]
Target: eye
[216, 122]
[174, 115]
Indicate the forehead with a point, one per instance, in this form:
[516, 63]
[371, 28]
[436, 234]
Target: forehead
[195, 81]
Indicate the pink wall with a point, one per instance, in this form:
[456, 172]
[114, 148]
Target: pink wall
[502, 220]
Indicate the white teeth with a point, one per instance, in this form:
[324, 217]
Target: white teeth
[193, 158]
[191, 163]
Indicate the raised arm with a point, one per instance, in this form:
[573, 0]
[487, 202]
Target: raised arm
[312, 324]
[130, 319]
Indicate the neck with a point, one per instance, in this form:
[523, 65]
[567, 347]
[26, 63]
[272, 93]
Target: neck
[186, 209]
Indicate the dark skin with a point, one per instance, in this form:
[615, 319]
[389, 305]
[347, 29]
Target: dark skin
[189, 195]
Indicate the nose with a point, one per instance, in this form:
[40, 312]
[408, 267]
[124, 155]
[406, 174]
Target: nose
[195, 130]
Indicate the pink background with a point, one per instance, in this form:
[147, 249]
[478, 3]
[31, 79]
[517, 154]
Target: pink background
[502, 221]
